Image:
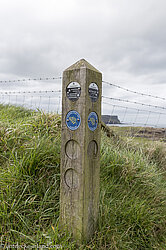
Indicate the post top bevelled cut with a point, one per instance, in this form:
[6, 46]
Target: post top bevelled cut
[82, 64]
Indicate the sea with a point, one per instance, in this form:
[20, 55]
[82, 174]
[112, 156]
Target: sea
[136, 125]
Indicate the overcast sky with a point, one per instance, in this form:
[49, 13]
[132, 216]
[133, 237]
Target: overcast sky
[124, 39]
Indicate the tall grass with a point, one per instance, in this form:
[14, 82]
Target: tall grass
[133, 187]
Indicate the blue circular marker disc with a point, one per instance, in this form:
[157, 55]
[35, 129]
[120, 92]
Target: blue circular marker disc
[73, 120]
[92, 121]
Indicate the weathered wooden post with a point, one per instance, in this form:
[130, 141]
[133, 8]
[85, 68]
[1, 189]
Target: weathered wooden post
[80, 149]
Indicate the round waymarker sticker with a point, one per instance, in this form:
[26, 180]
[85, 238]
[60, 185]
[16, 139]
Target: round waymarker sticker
[73, 91]
[93, 92]
[73, 120]
[92, 121]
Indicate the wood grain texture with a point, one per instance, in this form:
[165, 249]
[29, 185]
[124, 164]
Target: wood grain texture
[80, 156]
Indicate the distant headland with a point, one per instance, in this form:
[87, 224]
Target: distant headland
[110, 119]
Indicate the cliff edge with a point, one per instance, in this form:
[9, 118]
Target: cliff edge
[110, 119]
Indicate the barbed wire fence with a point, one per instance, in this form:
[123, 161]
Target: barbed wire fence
[46, 96]
[136, 115]
[141, 115]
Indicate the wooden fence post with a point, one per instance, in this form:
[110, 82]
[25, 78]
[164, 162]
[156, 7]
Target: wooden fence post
[80, 149]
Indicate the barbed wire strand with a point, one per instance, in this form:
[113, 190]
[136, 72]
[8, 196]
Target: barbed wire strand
[134, 92]
[140, 103]
[31, 79]
[142, 110]
[60, 77]
[10, 93]
[29, 92]
[136, 132]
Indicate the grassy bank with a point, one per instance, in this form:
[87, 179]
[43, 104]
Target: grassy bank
[148, 133]
[132, 197]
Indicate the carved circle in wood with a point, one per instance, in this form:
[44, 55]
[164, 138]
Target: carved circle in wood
[72, 149]
[92, 148]
[71, 178]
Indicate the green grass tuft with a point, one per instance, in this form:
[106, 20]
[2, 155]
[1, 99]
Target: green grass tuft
[132, 197]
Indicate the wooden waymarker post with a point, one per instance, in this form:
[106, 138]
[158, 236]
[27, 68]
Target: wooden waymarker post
[80, 149]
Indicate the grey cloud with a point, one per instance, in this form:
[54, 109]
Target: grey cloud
[126, 40]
